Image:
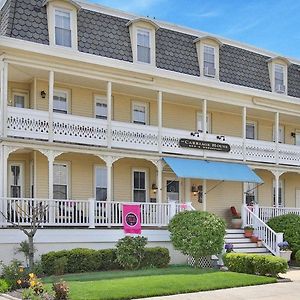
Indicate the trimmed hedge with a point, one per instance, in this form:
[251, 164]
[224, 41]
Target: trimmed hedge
[255, 264]
[89, 260]
[289, 224]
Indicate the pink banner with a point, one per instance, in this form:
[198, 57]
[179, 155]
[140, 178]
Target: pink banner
[132, 218]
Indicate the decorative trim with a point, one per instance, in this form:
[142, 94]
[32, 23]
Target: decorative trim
[146, 20]
[68, 1]
[208, 37]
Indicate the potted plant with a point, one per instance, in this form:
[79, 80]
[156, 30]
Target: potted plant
[285, 251]
[236, 222]
[248, 231]
[229, 248]
[259, 243]
[254, 239]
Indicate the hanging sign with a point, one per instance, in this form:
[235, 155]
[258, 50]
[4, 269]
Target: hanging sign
[204, 145]
[132, 218]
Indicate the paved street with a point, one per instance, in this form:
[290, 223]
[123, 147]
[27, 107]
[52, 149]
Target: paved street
[286, 291]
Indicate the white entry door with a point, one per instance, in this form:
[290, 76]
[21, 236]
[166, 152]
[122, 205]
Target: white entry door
[298, 198]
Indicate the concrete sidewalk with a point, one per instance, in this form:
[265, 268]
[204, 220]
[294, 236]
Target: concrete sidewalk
[284, 290]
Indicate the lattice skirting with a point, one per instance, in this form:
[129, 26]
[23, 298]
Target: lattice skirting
[204, 262]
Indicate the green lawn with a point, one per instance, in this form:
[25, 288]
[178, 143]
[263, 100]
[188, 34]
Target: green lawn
[153, 282]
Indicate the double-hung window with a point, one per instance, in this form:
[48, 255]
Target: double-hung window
[173, 190]
[209, 61]
[101, 183]
[200, 122]
[60, 181]
[143, 46]
[280, 193]
[20, 99]
[60, 102]
[250, 130]
[251, 193]
[63, 31]
[100, 108]
[139, 186]
[279, 78]
[139, 113]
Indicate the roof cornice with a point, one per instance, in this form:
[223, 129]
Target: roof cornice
[208, 37]
[68, 1]
[146, 20]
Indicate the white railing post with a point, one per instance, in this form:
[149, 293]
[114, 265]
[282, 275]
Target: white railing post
[91, 213]
[279, 239]
[244, 215]
[172, 209]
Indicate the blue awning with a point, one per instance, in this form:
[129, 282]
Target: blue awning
[211, 170]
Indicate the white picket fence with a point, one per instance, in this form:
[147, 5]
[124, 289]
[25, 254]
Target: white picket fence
[85, 212]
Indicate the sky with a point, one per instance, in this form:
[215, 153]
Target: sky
[273, 25]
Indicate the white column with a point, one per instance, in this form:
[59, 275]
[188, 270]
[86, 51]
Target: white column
[51, 91]
[276, 189]
[160, 119]
[4, 98]
[34, 174]
[204, 114]
[50, 187]
[109, 164]
[2, 201]
[159, 180]
[4, 180]
[244, 124]
[109, 113]
[34, 93]
[187, 190]
[244, 192]
[204, 189]
[277, 136]
[1, 96]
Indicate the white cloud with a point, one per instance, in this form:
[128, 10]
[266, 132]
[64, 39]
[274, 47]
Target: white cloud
[205, 14]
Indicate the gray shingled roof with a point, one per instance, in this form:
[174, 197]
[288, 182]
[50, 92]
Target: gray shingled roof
[108, 36]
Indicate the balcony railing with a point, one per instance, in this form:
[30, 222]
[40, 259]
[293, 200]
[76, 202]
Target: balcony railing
[89, 213]
[34, 124]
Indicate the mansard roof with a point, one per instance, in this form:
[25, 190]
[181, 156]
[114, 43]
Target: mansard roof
[107, 35]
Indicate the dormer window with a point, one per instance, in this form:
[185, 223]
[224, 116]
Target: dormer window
[142, 35]
[279, 78]
[209, 61]
[143, 46]
[208, 49]
[63, 33]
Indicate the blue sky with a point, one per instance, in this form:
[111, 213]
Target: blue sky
[270, 24]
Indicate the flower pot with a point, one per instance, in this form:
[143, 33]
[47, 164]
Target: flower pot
[236, 223]
[254, 239]
[259, 243]
[248, 233]
[286, 255]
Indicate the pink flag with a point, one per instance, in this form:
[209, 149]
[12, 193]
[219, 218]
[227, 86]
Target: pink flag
[132, 218]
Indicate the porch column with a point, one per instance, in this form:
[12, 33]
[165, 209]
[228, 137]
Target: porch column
[2, 201]
[277, 137]
[244, 131]
[4, 182]
[160, 119]
[51, 91]
[109, 113]
[277, 175]
[187, 190]
[204, 189]
[34, 93]
[4, 95]
[204, 114]
[159, 179]
[109, 164]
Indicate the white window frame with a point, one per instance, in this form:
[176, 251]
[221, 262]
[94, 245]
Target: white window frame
[281, 134]
[149, 32]
[297, 133]
[100, 99]
[146, 182]
[23, 93]
[255, 129]
[68, 93]
[65, 7]
[215, 61]
[252, 188]
[283, 67]
[281, 185]
[272, 66]
[166, 179]
[68, 165]
[208, 121]
[146, 106]
[95, 179]
[22, 177]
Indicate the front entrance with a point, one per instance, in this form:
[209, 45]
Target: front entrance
[15, 180]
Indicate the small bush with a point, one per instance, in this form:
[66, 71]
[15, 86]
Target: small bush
[4, 286]
[48, 260]
[255, 264]
[197, 233]
[12, 273]
[156, 257]
[108, 259]
[297, 256]
[130, 251]
[82, 260]
[60, 265]
[61, 290]
[289, 224]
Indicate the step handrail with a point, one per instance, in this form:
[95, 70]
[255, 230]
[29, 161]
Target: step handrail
[269, 237]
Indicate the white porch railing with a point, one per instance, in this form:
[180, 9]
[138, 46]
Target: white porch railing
[266, 213]
[85, 212]
[268, 236]
[34, 124]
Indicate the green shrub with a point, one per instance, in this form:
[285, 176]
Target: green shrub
[130, 251]
[109, 259]
[289, 224]
[156, 257]
[11, 273]
[60, 265]
[255, 264]
[197, 233]
[48, 260]
[4, 286]
[297, 256]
